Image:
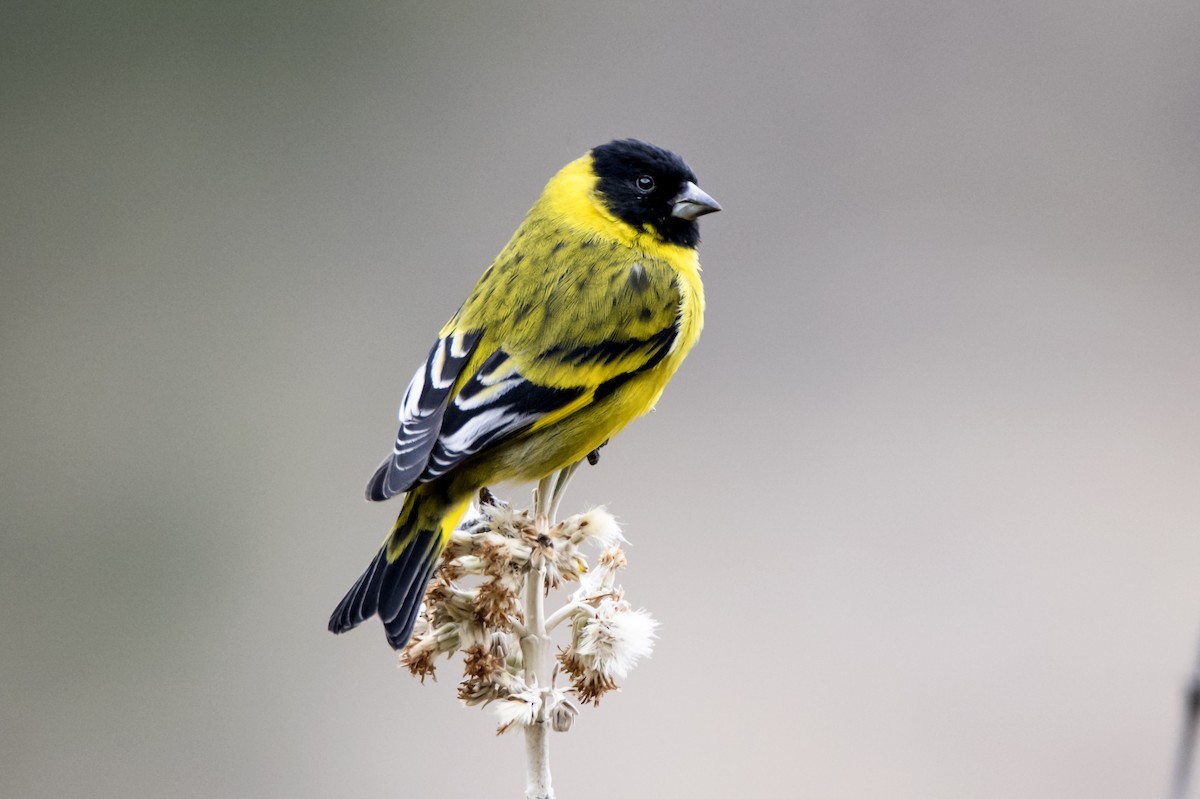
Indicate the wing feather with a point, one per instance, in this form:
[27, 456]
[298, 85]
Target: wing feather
[495, 403]
[533, 368]
[421, 414]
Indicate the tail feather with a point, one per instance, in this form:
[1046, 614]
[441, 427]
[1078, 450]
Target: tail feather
[361, 601]
[399, 628]
[407, 575]
[366, 589]
[394, 584]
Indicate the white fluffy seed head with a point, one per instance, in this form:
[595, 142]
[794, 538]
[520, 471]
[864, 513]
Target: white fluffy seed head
[612, 641]
[596, 525]
[517, 710]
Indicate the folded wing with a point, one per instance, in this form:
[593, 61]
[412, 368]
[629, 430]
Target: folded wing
[540, 373]
[421, 414]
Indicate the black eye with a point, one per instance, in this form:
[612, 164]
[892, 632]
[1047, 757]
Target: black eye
[645, 184]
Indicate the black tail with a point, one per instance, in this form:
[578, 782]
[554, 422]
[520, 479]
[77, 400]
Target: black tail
[393, 590]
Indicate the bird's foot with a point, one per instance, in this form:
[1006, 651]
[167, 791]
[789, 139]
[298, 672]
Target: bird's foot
[593, 457]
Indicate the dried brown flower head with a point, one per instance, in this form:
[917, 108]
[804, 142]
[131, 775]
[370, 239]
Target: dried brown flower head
[477, 604]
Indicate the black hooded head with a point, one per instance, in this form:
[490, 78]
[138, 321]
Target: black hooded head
[642, 185]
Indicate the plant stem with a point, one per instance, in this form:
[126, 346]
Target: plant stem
[535, 646]
[1187, 737]
[560, 488]
[565, 612]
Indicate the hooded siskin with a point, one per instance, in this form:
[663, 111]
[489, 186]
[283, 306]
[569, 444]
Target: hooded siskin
[569, 335]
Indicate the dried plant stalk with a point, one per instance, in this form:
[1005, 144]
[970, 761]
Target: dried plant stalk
[501, 625]
[1185, 754]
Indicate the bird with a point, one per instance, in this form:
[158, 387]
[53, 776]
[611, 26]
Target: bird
[570, 334]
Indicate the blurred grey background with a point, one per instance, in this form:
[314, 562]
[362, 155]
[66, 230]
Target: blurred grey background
[920, 516]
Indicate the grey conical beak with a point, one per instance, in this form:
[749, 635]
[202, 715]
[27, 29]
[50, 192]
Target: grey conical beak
[692, 202]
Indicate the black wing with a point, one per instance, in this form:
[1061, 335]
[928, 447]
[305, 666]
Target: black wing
[421, 415]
